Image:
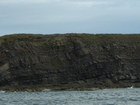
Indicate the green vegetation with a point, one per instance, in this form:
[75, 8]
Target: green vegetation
[14, 37]
[55, 63]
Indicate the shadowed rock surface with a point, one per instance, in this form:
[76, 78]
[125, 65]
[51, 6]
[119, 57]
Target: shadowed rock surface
[69, 61]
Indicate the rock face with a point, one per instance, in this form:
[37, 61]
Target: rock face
[70, 60]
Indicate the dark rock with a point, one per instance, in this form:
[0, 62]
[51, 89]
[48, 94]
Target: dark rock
[71, 60]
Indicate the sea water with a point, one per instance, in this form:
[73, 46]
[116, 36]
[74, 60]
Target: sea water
[127, 96]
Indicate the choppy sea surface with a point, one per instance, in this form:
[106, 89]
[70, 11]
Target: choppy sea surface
[127, 96]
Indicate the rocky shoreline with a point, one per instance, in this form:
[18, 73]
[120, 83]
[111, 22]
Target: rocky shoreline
[43, 88]
[69, 61]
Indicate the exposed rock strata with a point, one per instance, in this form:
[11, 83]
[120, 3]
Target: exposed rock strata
[70, 61]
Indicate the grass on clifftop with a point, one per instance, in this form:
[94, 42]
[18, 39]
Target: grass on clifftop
[14, 37]
[128, 37]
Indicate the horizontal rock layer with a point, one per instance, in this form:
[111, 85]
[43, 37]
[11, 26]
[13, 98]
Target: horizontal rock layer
[70, 60]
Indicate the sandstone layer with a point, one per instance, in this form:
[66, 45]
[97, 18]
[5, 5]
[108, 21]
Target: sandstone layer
[69, 61]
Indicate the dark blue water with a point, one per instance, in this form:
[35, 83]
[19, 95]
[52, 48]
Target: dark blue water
[98, 97]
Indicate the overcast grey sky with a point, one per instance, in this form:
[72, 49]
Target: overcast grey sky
[69, 16]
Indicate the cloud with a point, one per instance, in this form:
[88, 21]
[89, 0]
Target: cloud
[23, 1]
[42, 12]
[88, 14]
[71, 2]
[49, 10]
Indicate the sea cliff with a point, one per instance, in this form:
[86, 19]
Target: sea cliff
[69, 61]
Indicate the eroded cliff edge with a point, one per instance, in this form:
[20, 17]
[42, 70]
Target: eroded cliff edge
[69, 61]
